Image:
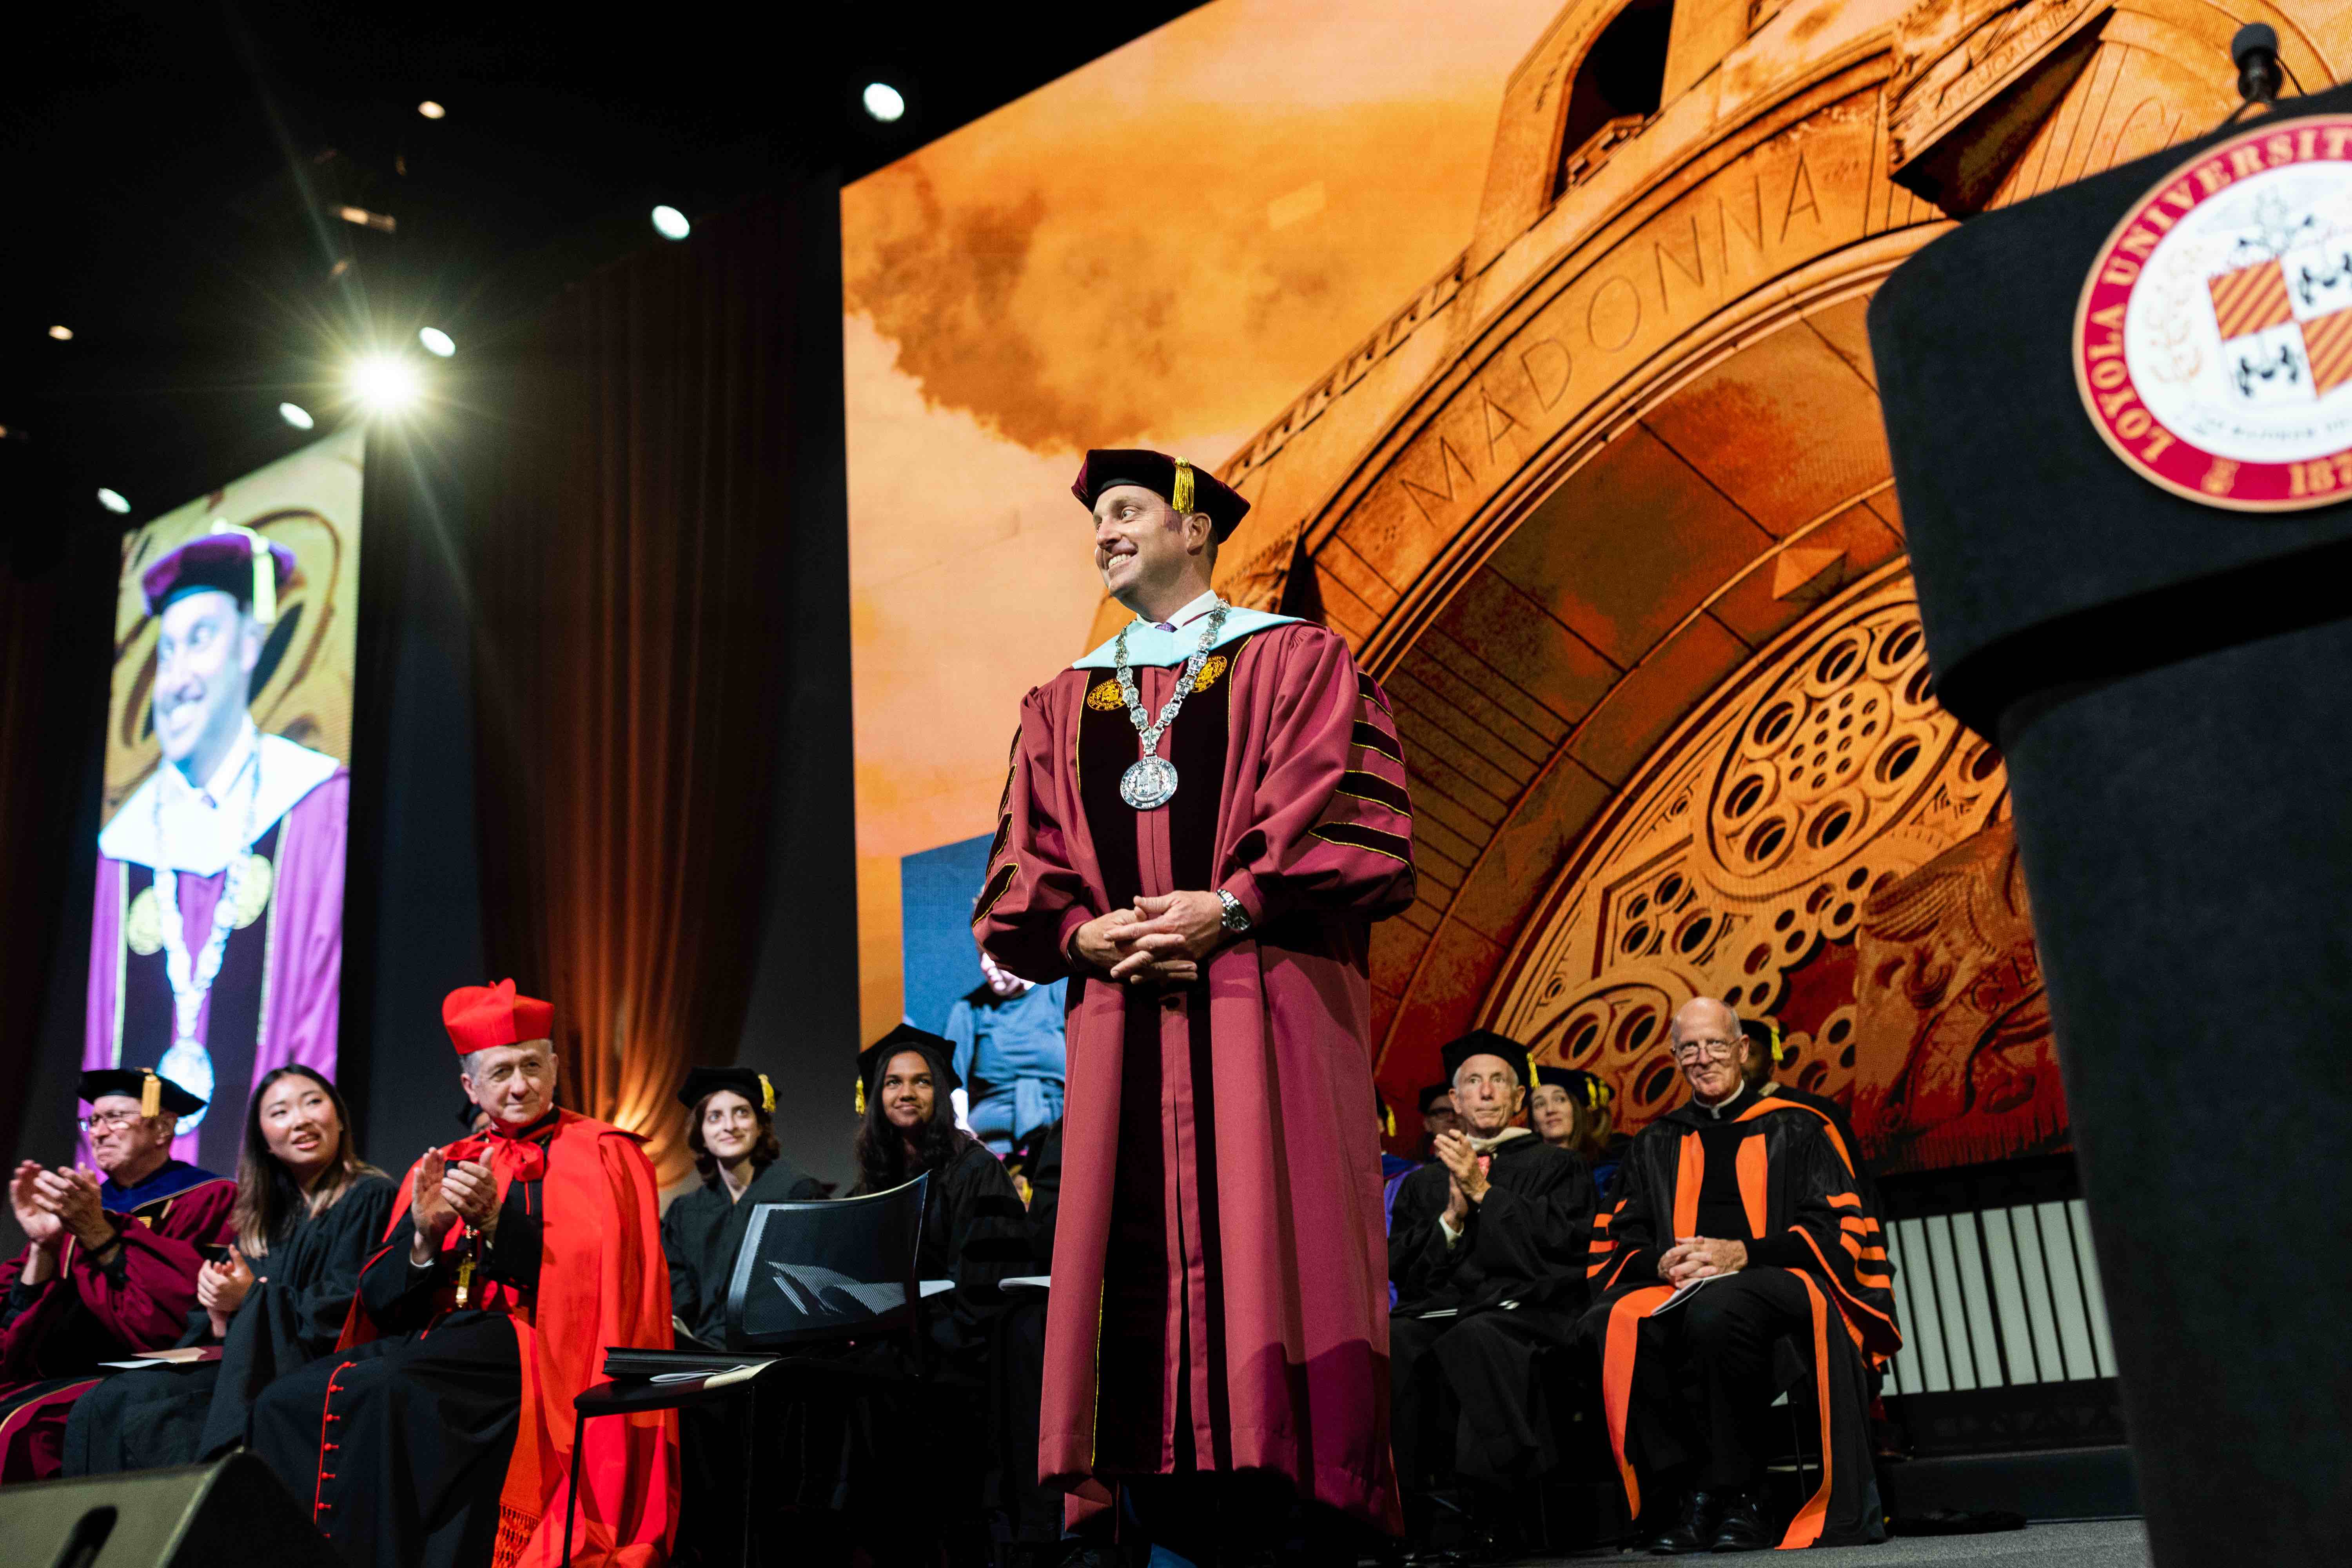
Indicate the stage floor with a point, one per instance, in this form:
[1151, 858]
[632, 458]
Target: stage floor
[2107, 1544]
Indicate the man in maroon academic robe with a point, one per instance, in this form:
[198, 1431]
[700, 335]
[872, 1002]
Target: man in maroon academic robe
[110, 1267]
[1218, 1330]
[216, 934]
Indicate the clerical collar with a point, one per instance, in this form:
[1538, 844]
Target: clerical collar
[1722, 1109]
[1488, 1145]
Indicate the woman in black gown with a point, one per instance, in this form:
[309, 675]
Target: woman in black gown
[308, 1212]
[733, 1134]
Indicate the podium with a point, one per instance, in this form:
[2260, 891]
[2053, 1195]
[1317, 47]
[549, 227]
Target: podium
[2170, 682]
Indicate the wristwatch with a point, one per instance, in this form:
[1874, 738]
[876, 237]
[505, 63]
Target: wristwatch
[1236, 919]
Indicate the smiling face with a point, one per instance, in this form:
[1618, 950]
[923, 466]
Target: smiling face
[908, 1094]
[1709, 1049]
[124, 1144]
[206, 652]
[300, 1125]
[730, 1126]
[516, 1084]
[1551, 1113]
[1486, 1095]
[1146, 551]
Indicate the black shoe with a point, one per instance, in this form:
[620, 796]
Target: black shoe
[1741, 1526]
[1693, 1527]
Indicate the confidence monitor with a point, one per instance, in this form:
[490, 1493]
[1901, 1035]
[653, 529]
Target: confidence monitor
[222, 1515]
[2119, 414]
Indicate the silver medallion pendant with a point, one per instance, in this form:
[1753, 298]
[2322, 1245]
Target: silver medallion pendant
[1149, 785]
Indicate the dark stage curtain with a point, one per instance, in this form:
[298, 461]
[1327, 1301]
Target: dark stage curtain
[629, 569]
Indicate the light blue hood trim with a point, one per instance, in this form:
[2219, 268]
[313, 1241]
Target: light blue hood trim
[1148, 645]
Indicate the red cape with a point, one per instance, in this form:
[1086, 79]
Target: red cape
[602, 1282]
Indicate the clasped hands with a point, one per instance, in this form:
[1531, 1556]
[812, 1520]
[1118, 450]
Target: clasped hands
[1162, 941]
[450, 1192]
[1467, 1181]
[1699, 1257]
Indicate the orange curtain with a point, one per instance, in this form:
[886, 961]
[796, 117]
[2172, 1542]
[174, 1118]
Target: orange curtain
[628, 566]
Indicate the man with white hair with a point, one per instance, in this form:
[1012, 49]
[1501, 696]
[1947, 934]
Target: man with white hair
[1735, 1226]
[1488, 1254]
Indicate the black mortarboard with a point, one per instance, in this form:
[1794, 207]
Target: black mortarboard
[1486, 1043]
[1588, 1088]
[154, 1094]
[906, 1038]
[752, 1086]
[1767, 1033]
[1175, 480]
[1430, 1096]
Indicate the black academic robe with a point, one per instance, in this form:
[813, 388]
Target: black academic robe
[181, 1413]
[382, 1502]
[1842, 1136]
[975, 1231]
[702, 1231]
[1762, 1171]
[1501, 1293]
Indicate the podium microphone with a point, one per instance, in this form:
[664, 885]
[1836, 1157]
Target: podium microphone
[2260, 74]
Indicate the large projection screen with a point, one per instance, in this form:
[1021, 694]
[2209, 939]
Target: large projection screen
[1157, 249]
[217, 937]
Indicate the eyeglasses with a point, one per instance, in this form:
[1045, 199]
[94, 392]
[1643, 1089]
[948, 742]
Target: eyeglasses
[111, 1121]
[1713, 1050]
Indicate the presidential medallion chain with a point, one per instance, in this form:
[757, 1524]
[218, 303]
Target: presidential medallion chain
[1150, 782]
[187, 1063]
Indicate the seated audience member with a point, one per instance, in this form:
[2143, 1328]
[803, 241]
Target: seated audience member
[1006, 1035]
[439, 1432]
[472, 1119]
[731, 1131]
[109, 1269]
[975, 1228]
[308, 1212]
[1767, 1055]
[975, 1233]
[1436, 1116]
[1493, 1232]
[1749, 1202]
[1036, 1170]
[1568, 1108]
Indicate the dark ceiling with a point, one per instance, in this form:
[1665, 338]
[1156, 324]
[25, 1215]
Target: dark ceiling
[170, 173]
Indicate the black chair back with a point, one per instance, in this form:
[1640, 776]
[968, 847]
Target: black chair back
[832, 1269]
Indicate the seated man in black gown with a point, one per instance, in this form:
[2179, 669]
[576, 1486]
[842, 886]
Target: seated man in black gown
[731, 1130]
[1742, 1201]
[308, 1212]
[1492, 1233]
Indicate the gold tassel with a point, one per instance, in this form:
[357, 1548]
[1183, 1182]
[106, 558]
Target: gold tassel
[1387, 1120]
[1180, 497]
[264, 570]
[768, 1096]
[861, 1097]
[151, 1096]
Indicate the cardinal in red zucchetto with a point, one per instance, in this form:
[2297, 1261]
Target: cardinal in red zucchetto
[440, 1432]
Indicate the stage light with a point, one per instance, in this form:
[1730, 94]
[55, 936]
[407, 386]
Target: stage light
[112, 501]
[385, 382]
[885, 102]
[430, 110]
[437, 342]
[670, 223]
[297, 416]
[63, 334]
[383, 223]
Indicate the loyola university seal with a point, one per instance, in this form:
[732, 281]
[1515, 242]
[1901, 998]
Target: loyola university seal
[2214, 342]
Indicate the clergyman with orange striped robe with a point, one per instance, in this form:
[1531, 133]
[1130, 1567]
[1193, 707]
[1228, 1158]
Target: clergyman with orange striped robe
[1736, 1225]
